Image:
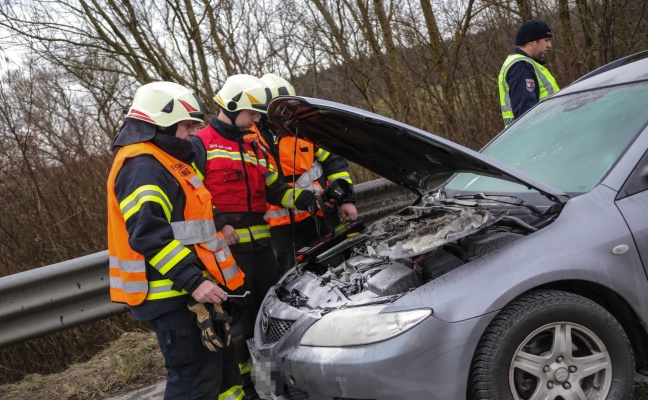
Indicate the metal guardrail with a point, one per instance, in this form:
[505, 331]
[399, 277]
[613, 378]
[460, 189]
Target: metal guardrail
[50, 299]
[60, 296]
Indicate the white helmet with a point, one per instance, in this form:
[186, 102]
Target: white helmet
[166, 103]
[242, 92]
[278, 86]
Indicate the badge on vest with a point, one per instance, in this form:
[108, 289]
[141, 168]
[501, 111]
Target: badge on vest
[530, 85]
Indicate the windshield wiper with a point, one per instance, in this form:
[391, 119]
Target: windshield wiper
[505, 199]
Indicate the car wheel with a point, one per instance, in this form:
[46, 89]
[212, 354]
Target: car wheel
[553, 345]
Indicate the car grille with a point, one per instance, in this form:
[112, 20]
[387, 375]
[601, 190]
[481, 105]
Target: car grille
[292, 393]
[275, 330]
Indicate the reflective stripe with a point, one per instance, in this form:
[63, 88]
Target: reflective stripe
[282, 212]
[132, 204]
[229, 273]
[289, 198]
[233, 393]
[246, 367]
[244, 235]
[216, 244]
[321, 155]
[196, 181]
[135, 287]
[271, 176]
[236, 156]
[169, 256]
[198, 173]
[546, 82]
[276, 213]
[222, 254]
[194, 231]
[260, 230]
[340, 175]
[257, 232]
[130, 266]
[305, 181]
[128, 287]
[162, 290]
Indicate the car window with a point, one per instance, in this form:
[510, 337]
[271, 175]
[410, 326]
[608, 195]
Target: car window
[569, 142]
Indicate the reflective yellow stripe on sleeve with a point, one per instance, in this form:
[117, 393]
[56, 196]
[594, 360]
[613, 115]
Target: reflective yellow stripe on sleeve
[246, 367]
[132, 204]
[321, 155]
[271, 177]
[288, 199]
[233, 393]
[169, 256]
[340, 175]
[162, 290]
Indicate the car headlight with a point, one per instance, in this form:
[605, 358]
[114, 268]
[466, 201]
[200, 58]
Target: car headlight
[361, 325]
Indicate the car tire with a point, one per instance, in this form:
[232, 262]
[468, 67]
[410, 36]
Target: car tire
[519, 356]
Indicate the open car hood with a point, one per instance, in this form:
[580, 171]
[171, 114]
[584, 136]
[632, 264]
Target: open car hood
[401, 153]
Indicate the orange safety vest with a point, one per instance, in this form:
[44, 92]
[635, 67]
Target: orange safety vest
[305, 166]
[128, 281]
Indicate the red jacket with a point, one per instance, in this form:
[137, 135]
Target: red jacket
[237, 175]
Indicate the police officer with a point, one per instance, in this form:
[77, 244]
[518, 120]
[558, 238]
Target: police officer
[523, 79]
[241, 182]
[166, 259]
[305, 166]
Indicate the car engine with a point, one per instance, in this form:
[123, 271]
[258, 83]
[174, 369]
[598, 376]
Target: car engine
[403, 251]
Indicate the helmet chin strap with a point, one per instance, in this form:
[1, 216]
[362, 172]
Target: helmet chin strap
[232, 115]
[169, 130]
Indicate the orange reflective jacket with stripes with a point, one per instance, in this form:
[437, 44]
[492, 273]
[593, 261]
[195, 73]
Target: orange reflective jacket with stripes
[197, 232]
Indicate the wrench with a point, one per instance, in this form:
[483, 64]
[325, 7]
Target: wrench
[239, 295]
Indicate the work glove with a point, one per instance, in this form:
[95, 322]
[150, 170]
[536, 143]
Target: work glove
[214, 324]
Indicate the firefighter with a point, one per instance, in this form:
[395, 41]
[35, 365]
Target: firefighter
[523, 79]
[166, 259]
[237, 175]
[305, 166]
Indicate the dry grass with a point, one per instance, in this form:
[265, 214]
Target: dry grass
[132, 362]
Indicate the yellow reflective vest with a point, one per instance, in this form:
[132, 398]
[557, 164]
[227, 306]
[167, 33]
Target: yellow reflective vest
[547, 84]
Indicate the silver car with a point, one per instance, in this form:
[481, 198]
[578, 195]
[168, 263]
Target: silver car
[522, 276]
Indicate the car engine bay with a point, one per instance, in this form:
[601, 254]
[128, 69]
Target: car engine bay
[403, 251]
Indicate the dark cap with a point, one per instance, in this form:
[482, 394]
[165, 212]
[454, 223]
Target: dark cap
[533, 29]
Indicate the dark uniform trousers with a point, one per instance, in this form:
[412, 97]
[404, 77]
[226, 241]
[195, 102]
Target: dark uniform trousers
[193, 372]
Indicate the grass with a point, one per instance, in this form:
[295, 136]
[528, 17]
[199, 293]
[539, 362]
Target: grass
[127, 364]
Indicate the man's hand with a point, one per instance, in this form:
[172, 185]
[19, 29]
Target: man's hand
[213, 324]
[348, 212]
[231, 237]
[209, 292]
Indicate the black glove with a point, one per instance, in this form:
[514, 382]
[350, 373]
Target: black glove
[214, 324]
[317, 204]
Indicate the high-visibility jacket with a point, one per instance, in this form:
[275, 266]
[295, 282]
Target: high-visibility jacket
[195, 232]
[546, 82]
[238, 177]
[300, 162]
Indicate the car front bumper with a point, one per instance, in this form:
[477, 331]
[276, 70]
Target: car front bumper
[430, 361]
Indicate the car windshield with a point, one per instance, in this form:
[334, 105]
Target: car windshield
[569, 142]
